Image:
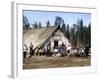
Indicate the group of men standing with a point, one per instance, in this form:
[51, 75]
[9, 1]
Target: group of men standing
[61, 50]
[25, 50]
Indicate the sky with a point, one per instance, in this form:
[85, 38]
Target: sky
[68, 17]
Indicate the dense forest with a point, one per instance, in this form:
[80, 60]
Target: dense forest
[78, 34]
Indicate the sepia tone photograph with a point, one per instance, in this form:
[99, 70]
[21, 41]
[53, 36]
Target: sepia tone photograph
[53, 39]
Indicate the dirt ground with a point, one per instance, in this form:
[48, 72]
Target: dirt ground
[36, 62]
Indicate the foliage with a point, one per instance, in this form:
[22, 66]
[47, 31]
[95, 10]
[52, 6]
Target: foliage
[78, 34]
[40, 25]
[26, 24]
[58, 21]
[47, 23]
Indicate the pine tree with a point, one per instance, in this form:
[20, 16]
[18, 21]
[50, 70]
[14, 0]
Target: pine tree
[58, 21]
[64, 27]
[35, 25]
[68, 32]
[47, 23]
[40, 25]
[26, 24]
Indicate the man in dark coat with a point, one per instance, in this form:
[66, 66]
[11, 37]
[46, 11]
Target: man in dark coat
[87, 50]
[31, 50]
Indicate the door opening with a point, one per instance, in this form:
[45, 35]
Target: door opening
[55, 44]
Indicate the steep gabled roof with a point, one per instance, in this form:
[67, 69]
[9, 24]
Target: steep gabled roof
[38, 36]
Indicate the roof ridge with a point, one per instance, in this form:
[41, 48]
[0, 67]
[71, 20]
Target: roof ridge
[43, 27]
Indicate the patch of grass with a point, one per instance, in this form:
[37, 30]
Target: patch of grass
[55, 62]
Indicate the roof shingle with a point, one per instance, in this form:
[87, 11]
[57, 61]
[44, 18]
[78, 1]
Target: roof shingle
[38, 36]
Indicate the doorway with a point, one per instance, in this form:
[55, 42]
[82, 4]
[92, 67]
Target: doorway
[55, 44]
